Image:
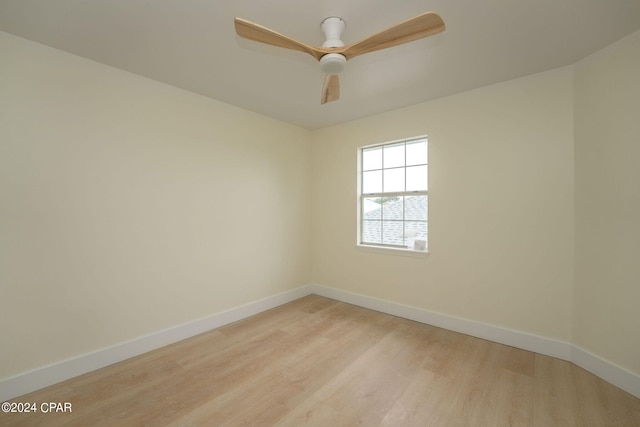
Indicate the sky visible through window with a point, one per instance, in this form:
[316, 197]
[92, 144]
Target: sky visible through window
[392, 168]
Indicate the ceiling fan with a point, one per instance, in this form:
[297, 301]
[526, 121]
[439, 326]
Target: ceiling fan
[333, 54]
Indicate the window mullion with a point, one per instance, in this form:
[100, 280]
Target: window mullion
[397, 194]
[404, 199]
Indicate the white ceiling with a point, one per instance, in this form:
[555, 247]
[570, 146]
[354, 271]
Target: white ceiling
[192, 44]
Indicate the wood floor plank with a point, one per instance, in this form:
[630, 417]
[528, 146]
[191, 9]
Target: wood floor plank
[555, 398]
[423, 402]
[321, 362]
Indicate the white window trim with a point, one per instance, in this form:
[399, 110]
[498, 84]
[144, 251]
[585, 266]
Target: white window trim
[386, 250]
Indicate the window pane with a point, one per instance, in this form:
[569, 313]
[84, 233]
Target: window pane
[417, 152]
[417, 178]
[372, 182]
[371, 231]
[416, 235]
[371, 208]
[417, 228]
[392, 233]
[393, 180]
[393, 208]
[415, 208]
[372, 159]
[393, 155]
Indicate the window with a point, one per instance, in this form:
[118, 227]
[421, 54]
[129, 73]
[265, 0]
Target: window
[393, 195]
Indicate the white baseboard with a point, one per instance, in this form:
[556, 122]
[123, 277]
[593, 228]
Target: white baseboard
[610, 372]
[513, 338]
[66, 369]
[60, 371]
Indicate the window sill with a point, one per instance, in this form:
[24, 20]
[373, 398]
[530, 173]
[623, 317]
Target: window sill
[392, 251]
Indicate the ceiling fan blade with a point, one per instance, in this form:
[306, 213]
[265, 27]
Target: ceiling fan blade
[330, 89]
[418, 27]
[258, 33]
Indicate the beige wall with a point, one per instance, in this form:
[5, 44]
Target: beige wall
[128, 206]
[501, 206]
[607, 129]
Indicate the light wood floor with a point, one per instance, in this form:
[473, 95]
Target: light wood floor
[320, 362]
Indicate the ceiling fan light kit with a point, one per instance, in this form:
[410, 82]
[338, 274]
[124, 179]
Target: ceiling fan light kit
[333, 54]
[333, 63]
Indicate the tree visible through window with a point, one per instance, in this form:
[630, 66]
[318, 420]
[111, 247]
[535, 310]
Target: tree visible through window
[393, 194]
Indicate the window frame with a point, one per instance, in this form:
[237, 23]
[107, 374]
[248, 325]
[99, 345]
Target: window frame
[361, 196]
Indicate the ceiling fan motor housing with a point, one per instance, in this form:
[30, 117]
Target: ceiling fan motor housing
[333, 27]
